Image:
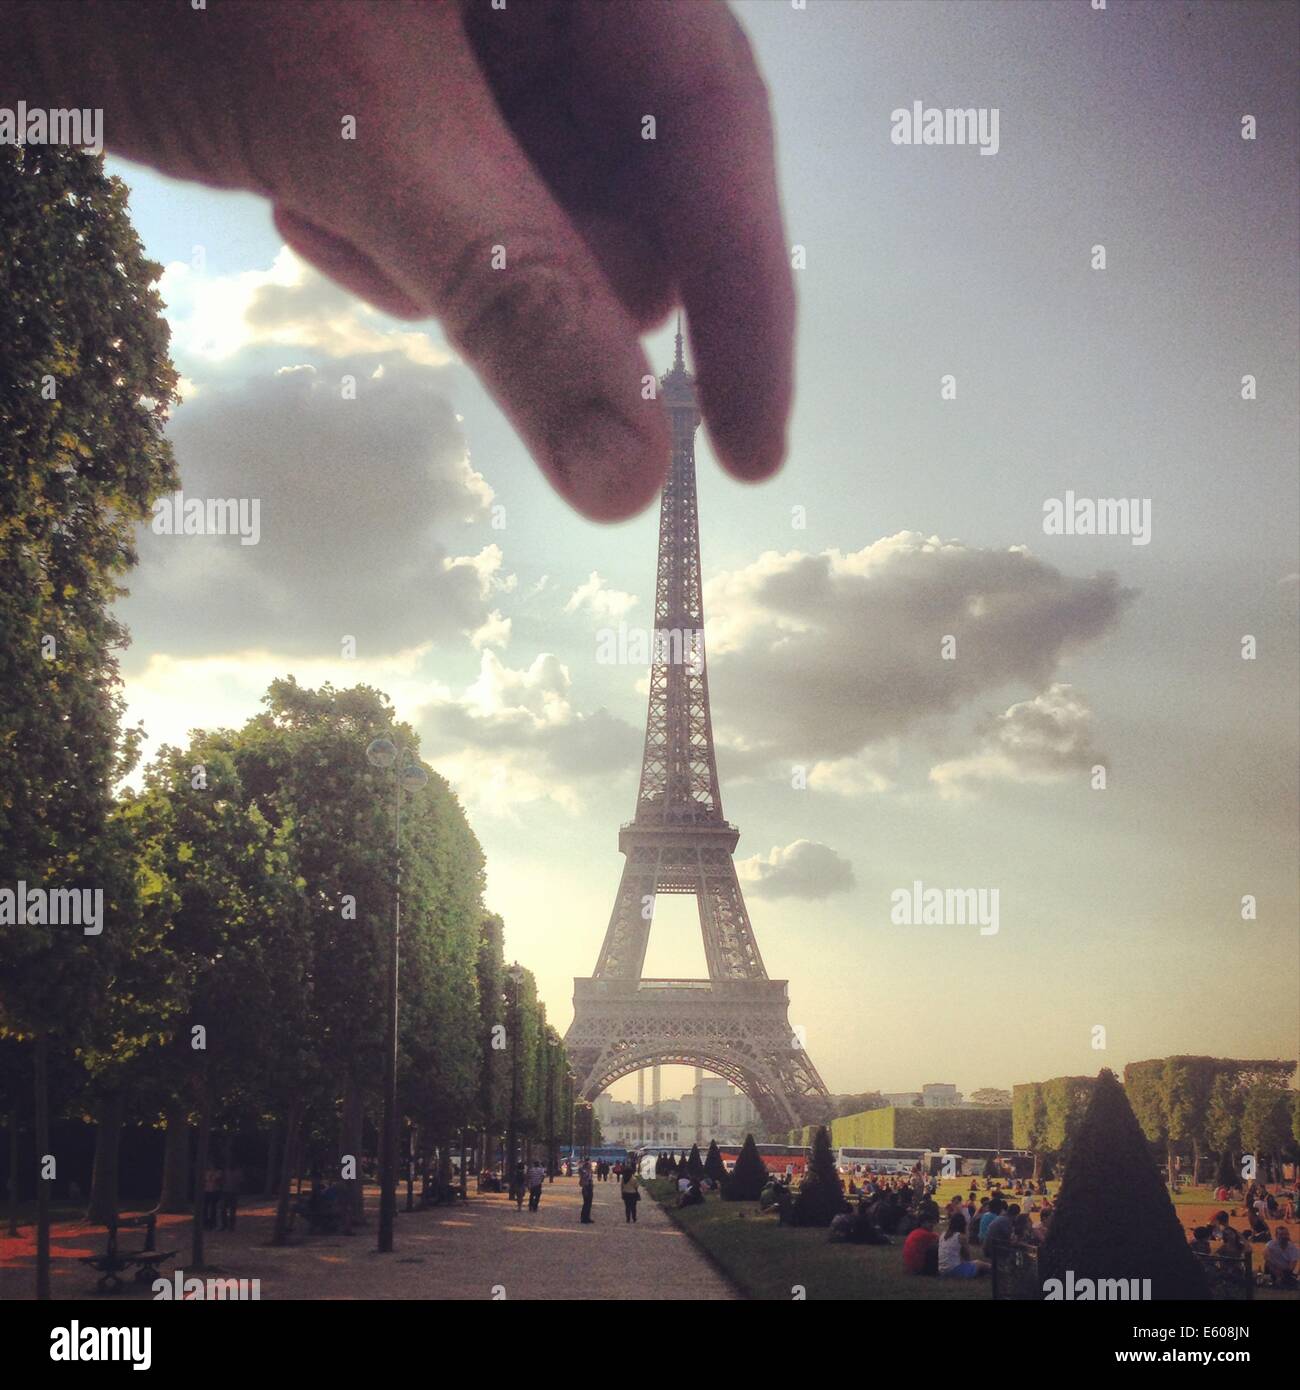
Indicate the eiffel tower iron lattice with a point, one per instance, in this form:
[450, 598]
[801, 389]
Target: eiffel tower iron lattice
[735, 1023]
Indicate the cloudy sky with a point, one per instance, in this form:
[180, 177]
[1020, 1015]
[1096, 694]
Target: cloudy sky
[855, 757]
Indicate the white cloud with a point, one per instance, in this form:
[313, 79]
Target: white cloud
[1043, 740]
[215, 317]
[607, 605]
[822, 656]
[804, 869]
[514, 737]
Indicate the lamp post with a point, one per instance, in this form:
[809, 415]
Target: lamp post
[384, 753]
[516, 973]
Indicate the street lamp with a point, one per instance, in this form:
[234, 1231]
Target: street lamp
[516, 974]
[384, 753]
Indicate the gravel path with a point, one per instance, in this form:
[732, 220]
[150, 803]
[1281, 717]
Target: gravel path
[483, 1249]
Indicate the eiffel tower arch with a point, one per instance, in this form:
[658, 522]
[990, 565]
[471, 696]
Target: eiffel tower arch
[736, 1022]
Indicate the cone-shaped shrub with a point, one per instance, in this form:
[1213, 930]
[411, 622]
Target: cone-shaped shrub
[819, 1196]
[748, 1178]
[713, 1164]
[1114, 1219]
[695, 1164]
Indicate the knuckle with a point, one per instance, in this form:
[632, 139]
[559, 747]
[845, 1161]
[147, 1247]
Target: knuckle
[535, 297]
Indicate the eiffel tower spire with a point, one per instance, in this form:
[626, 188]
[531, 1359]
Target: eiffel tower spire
[734, 1023]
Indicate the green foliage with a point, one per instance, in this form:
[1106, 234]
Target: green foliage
[1028, 1117]
[1114, 1219]
[819, 1197]
[869, 1129]
[79, 319]
[1065, 1102]
[928, 1127]
[694, 1164]
[713, 1164]
[747, 1178]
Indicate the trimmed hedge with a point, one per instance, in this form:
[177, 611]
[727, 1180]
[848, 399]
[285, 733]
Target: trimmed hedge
[925, 1127]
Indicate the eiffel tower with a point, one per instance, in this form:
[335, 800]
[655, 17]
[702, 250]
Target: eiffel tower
[735, 1023]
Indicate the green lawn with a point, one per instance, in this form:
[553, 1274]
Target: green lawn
[765, 1260]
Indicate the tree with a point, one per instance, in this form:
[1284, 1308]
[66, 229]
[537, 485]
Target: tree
[855, 1104]
[713, 1164]
[1114, 1219]
[1265, 1124]
[991, 1095]
[1144, 1085]
[749, 1176]
[1029, 1125]
[87, 385]
[694, 1164]
[1188, 1082]
[820, 1196]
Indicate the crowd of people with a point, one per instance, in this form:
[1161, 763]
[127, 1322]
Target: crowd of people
[1221, 1237]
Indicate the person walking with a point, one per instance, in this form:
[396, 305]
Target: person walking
[231, 1182]
[518, 1181]
[629, 1185]
[211, 1197]
[536, 1177]
[586, 1185]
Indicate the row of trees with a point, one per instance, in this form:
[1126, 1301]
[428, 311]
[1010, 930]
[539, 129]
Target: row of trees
[237, 987]
[1190, 1106]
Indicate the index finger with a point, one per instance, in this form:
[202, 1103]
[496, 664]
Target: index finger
[715, 199]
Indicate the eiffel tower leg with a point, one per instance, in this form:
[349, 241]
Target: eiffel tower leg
[729, 945]
[628, 933]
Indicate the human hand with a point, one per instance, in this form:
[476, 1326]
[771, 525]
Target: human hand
[476, 129]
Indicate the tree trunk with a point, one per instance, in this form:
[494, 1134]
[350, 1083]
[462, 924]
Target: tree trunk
[1169, 1165]
[1196, 1161]
[272, 1145]
[410, 1166]
[464, 1162]
[292, 1124]
[351, 1129]
[13, 1171]
[42, 1136]
[175, 1193]
[108, 1146]
[201, 1164]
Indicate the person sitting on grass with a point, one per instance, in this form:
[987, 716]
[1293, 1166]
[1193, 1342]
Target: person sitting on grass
[1200, 1243]
[988, 1216]
[1232, 1243]
[691, 1196]
[1258, 1229]
[921, 1248]
[954, 1254]
[1280, 1258]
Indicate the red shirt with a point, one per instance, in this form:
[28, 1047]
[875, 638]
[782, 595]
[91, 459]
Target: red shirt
[914, 1248]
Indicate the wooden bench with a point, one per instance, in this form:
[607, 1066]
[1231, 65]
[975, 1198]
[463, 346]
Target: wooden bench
[113, 1263]
[322, 1219]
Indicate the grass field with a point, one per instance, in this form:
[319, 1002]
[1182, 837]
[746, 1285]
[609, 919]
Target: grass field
[765, 1260]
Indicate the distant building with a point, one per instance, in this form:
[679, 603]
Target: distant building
[713, 1109]
[938, 1095]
